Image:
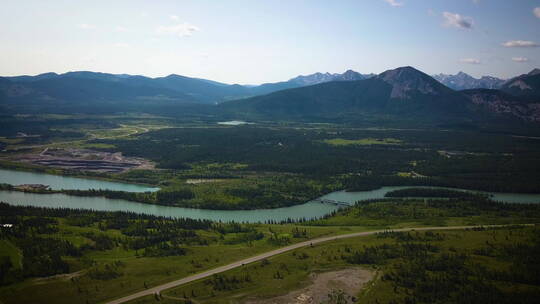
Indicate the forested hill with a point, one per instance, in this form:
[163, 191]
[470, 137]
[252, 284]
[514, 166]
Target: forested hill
[83, 86]
[402, 93]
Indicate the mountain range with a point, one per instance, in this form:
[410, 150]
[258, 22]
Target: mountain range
[403, 92]
[86, 86]
[463, 81]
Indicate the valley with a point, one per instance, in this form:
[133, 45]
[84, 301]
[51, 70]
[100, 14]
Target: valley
[224, 193]
[265, 152]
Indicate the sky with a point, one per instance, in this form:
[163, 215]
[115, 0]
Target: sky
[253, 42]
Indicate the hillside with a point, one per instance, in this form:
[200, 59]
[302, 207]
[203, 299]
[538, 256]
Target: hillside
[83, 86]
[404, 92]
[527, 85]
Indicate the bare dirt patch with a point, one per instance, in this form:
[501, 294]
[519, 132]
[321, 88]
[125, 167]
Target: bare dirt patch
[86, 160]
[348, 282]
[64, 276]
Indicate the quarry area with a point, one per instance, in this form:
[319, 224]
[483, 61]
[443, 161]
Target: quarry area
[85, 160]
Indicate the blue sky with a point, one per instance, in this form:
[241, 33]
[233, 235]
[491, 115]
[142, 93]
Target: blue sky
[252, 42]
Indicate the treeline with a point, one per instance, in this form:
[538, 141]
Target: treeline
[40, 256]
[281, 192]
[453, 207]
[487, 182]
[433, 192]
[115, 219]
[434, 212]
[421, 271]
[169, 197]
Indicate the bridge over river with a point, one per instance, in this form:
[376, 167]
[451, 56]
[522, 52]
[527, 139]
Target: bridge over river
[333, 202]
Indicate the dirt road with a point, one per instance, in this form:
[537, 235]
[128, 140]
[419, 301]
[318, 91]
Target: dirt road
[158, 289]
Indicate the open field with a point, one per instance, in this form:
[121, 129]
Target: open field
[283, 274]
[7, 249]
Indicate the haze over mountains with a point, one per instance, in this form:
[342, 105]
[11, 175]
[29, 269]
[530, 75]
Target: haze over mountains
[403, 92]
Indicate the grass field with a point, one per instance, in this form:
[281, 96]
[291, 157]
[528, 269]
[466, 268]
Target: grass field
[11, 251]
[290, 271]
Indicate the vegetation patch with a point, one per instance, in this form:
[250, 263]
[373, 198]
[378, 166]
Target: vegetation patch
[362, 142]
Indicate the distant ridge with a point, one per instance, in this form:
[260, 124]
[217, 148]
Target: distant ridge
[464, 81]
[80, 86]
[527, 85]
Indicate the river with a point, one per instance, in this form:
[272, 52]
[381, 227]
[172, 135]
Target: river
[308, 210]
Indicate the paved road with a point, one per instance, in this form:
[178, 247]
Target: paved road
[160, 288]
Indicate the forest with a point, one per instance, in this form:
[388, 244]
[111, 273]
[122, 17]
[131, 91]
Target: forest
[433, 192]
[462, 159]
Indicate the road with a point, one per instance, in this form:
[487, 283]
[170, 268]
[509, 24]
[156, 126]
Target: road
[158, 289]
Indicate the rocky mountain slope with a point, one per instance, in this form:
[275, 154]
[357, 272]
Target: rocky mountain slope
[463, 81]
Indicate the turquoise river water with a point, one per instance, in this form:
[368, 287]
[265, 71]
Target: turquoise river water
[312, 209]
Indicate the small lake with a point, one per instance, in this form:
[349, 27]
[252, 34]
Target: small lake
[58, 182]
[309, 210]
[234, 123]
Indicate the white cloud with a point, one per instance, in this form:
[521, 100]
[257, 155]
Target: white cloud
[180, 30]
[520, 43]
[520, 59]
[174, 17]
[536, 12]
[457, 21]
[121, 45]
[86, 26]
[470, 61]
[394, 2]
